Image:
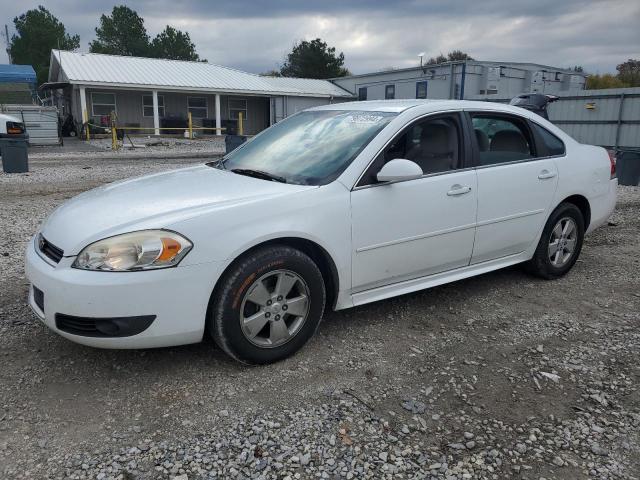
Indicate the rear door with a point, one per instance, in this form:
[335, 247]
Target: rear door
[517, 180]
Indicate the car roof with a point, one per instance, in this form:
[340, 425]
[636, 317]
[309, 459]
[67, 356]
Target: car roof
[397, 106]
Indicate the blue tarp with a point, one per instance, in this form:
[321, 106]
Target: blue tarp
[17, 74]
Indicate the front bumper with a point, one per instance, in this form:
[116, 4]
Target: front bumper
[178, 297]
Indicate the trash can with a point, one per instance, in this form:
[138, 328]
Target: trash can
[230, 127]
[231, 142]
[628, 167]
[15, 156]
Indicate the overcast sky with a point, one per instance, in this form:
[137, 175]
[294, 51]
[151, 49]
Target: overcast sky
[256, 35]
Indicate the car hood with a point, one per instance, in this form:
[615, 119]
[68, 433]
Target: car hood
[153, 201]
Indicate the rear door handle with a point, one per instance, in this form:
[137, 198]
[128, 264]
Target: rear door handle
[458, 189]
[545, 174]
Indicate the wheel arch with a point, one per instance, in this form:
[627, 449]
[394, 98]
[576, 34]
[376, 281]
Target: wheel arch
[316, 252]
[583, 205]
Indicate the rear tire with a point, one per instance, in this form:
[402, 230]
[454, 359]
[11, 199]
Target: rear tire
[267, 305]
[560, 243]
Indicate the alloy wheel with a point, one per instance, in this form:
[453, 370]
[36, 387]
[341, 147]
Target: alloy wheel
[274, 308]
[562, 242]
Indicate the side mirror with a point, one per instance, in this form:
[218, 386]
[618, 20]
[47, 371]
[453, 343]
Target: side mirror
[398, 170]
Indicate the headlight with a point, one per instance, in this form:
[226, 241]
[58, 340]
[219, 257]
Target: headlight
[144, 250]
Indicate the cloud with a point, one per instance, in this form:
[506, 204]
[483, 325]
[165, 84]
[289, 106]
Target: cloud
[256, 35]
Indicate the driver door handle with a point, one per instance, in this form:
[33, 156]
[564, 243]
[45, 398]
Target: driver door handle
[545, 174]
[458, 189]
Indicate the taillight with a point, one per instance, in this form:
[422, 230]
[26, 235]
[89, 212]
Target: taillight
[15, 128]
[612, 159]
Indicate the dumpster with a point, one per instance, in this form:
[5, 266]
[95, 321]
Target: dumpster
[14, 151]
[628, 167]
[231, 142]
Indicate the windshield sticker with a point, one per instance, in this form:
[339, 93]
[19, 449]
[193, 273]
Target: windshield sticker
[365, 119]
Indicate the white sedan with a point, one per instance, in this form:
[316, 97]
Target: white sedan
[336, 206]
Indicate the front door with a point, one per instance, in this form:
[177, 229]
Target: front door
[418, 227]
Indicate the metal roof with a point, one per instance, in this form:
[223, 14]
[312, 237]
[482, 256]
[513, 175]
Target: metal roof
[136, 72]
[514, 65]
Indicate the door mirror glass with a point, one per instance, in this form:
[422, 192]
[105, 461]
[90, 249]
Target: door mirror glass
[398, 170]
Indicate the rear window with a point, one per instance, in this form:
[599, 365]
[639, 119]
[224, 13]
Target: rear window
[551, 144]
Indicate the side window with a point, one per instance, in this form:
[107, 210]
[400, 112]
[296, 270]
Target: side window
[551, 145]
[362, 93]
[433, 144]
[502, 139]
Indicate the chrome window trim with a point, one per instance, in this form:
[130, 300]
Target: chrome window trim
[427, 175]
[515, 162]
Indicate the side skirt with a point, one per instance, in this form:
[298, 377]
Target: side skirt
[408, 286]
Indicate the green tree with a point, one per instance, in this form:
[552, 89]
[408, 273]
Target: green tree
[453, 56]
[435, 60]
[314, 59]
[606, 80]
[37, 32]
[629, 72]
[271, 73]
[122, 33]
[174, 44]
[458, 55]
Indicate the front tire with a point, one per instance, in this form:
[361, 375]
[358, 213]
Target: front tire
[268, 305]
[560, 243]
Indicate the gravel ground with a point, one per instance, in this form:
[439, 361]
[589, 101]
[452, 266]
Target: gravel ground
[499, 376]
[75, 148]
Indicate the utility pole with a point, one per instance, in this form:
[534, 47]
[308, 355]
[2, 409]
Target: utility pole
[8, 42]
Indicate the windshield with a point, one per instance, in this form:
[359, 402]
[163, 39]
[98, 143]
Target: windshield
[310, 148]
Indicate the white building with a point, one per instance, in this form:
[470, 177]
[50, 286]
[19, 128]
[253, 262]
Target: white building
[469, 79]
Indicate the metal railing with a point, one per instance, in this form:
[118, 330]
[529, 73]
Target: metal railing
[113, 128]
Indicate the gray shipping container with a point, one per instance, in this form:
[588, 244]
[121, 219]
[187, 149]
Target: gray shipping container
[608, 117]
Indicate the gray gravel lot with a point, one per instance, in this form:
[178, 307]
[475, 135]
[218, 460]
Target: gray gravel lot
[137, 146]
[499, 376]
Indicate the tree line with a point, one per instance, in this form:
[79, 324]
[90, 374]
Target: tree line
[123, 32]
[628, 75]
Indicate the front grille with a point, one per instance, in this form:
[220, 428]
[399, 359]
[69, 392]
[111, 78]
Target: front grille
[103, 327]
[38, 298]
[49, 249]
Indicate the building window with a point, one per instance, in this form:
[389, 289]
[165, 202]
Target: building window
[197, 106]
[362, 93]
[237, 105]
[147, 105]
[421, 89]
[102, 104]
[389, 92]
